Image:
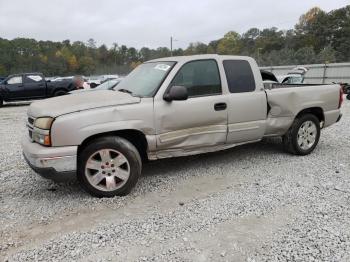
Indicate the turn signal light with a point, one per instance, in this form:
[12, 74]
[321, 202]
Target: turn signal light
[47, 141]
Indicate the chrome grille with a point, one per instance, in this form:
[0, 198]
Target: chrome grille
[30, 121]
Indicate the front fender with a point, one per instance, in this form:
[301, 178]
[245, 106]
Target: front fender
[73, 129]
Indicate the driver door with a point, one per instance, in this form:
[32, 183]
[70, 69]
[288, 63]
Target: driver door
[14, 87]
[199, 121]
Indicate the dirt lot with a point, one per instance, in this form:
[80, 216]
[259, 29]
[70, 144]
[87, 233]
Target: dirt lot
[250, 203]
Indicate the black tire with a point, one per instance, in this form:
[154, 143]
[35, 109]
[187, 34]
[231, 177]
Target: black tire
[93, 85]
[1, 102]
[290, 139]
[60, 93]
[113, 143]
[348, 97]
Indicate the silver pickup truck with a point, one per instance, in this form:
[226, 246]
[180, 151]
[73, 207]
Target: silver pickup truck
[171, 107]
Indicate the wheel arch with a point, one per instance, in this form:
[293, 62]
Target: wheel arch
[54, 91]
[316, 111]
[134, 136]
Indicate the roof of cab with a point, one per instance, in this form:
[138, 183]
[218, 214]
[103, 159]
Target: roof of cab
[198, 57]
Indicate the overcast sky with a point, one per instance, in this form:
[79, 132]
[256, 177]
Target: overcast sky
[148, 22]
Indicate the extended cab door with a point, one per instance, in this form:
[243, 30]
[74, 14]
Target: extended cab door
[199, 121]
[13, 86]
[34, 86]
[247, 106]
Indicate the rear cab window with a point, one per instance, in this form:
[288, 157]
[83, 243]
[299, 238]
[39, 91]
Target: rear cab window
[200, 77]
[32, 78]
[240, 77]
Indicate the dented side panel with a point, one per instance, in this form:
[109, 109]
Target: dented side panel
[191, 123]
[87, 123]
[286, 103]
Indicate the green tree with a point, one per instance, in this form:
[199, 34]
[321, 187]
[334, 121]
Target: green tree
[327, 55]
[230, 44]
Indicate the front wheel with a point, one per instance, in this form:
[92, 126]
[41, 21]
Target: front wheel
[348, 97]
[109, 166]
[303, 136]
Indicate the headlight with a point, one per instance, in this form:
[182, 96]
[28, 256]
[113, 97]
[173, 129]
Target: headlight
[42, 139]
[43, 123]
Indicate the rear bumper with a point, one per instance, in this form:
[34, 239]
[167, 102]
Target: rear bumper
[55, 163]
[331, 117]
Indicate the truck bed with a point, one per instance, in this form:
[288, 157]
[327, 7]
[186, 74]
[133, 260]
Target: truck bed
[270, 86]
[285, 102]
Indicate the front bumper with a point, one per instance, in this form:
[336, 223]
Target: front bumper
[56, 163]
[339, 117]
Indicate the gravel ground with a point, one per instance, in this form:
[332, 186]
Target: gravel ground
[250, 203]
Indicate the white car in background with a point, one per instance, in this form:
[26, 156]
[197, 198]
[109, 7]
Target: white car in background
[296, 76]
[94, 81]
[291, 79]
[108, 85]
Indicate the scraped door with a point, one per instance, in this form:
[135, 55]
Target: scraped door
[199, 121]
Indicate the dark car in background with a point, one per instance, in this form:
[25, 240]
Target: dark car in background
[31, 86]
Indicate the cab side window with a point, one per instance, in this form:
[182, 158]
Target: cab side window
[239, 76]
[15, 80]
[201, 78]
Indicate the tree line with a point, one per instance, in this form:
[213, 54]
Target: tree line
[318, 37]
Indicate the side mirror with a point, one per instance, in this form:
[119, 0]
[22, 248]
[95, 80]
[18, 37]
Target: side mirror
[177, 93]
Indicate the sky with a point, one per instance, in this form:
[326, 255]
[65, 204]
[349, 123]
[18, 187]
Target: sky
[148, 23]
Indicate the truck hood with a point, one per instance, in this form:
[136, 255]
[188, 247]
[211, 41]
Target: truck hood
[62, 105]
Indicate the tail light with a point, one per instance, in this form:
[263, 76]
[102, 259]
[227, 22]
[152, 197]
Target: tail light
[341, 99]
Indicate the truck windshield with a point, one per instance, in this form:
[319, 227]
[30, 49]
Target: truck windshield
[146, 78]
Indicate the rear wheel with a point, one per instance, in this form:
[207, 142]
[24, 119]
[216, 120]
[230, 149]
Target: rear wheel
[109, 166]
[303, 136]
[1, 102]
[60, 93]
[348, 97]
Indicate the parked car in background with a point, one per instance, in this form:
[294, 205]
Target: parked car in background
[295, 76]
[291, 79]
[170, 107]
[62, 78]
[108, 85]
[31, 86]
[346, 89]
[97, 80]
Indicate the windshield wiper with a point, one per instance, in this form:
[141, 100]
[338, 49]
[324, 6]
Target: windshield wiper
[128, 92]
[125, 91]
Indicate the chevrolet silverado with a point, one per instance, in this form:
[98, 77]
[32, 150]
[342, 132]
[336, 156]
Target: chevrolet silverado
[171, 107]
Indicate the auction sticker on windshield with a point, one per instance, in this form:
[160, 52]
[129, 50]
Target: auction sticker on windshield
[162, 67]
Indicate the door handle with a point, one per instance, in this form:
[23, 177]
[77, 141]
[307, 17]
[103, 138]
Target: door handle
[220, 106]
